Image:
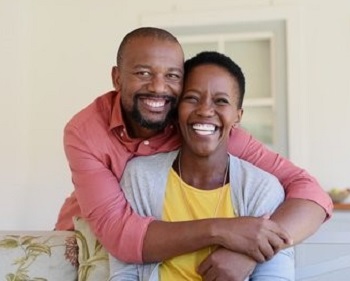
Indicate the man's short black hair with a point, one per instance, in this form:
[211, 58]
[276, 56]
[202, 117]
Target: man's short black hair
[152, 32]
[221, 60]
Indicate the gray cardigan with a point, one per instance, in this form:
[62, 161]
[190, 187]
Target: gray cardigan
[253, 191]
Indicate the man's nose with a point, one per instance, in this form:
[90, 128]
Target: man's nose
[157, 84]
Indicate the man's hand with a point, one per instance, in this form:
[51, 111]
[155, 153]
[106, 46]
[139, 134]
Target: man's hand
[225, 265]
[259, 238]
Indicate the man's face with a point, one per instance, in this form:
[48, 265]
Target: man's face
[150, 81]
[208, 109]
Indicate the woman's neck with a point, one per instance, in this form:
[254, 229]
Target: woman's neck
[203, 172]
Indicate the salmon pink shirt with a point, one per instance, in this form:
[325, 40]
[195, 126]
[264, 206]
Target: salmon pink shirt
[98, 147]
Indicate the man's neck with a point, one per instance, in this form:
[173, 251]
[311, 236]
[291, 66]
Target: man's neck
[135, 130]
[141, 133]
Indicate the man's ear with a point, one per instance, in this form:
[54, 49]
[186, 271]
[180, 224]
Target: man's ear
[115, 78]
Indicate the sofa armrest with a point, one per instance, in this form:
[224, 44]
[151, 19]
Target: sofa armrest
[42, 255]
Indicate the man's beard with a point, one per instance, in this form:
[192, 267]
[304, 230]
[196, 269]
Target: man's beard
[154, 125]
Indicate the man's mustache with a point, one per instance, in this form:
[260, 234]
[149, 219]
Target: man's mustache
[169, 98]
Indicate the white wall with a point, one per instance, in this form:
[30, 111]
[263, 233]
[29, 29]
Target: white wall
[56, 58]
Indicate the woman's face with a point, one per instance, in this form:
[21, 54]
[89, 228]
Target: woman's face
[208, 109]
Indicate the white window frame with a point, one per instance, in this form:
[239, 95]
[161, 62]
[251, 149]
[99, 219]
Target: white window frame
[296, 106]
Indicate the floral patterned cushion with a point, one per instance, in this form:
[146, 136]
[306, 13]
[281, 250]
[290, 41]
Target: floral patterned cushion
[38, 256]
[93, 258]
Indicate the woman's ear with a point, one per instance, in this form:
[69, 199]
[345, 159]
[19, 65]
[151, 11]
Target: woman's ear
[239, 118]
[115, 78]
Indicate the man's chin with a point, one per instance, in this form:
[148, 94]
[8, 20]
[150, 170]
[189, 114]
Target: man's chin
[156, 122]
[153, 125]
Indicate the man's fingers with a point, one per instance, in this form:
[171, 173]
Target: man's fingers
[269, 241]
[276, 243]
[267, 251]
[266, 217]
[283, 234]
[257, 255]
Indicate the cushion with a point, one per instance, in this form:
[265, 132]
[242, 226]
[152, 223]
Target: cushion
[93, 258]
[38, 255]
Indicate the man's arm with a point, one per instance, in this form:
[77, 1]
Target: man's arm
[306, 208]
[300, 217]
[132, 238]
[229, 265]
[100, 198]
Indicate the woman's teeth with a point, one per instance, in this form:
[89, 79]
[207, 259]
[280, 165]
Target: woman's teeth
[204, 129]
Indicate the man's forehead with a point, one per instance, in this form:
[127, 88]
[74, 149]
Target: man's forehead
[144, 52]
[147, 41]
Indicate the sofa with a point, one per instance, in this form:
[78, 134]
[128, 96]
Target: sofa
[78, 256]
[53, 255]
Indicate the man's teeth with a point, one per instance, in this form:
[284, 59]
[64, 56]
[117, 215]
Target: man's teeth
[155, 103]
[204, 129]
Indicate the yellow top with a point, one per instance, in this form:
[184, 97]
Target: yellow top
[184, 202]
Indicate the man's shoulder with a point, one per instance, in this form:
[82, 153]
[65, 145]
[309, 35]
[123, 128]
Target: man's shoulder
[98, 111]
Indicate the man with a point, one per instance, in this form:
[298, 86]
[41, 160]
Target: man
[137, 119]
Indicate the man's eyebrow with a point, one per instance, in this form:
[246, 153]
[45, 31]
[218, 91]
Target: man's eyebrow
[141, 66]
[179, 69]
[146, 66]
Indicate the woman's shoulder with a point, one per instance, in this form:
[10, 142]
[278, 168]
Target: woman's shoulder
[152, 161]
[250, 170]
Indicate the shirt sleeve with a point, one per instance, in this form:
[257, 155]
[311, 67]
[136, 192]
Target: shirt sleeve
[102, 201]
[296, 182]
[280, 267]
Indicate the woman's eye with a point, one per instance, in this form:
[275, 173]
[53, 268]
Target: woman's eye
[222, 101]
[189, 98]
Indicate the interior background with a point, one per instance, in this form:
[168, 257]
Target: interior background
[56, 57]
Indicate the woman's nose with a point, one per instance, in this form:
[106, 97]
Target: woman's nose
[205, 108]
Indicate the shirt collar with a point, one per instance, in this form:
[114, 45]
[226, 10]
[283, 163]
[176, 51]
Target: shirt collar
[116, 118]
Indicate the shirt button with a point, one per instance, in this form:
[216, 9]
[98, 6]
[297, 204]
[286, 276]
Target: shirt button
[146, 142]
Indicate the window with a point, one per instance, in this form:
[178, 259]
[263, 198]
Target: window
[260, 49]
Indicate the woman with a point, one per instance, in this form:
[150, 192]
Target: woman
[202, 180]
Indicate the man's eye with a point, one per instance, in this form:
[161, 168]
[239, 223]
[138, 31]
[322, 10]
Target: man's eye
[174, 76]
[143, 73]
